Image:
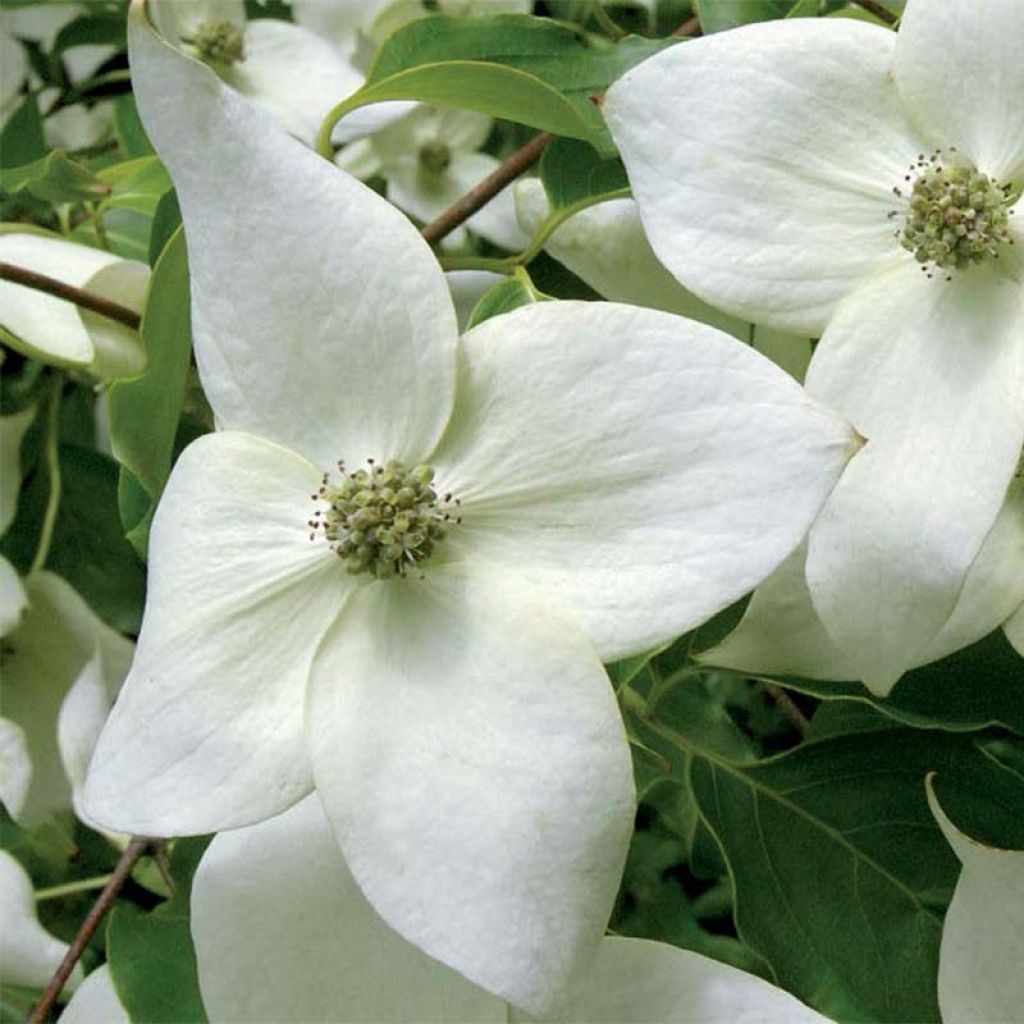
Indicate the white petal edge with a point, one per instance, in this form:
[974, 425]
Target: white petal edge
[48, 650]
[42, 326]
[644, 469]
[763, 161]
[339, 340]
[958, 66]
[29, 954]
[470, 757]
[1014, 629]
[96, 1001]
[15, 767]
[983, 933]
[637, 981]
[781, 633]
[341, 963]
[207, 732]
[932, 373]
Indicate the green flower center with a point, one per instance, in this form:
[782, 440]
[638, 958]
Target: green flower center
[435, 157]
[957, 216]
[383, 520]
[219, 42]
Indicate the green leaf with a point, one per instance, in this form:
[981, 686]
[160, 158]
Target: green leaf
[56, 178]
[524, 69]
[89, 549]
[840, 873]
[137, 184]
[98, 29]
[719, 15]
[501, 298]
[572, 171]
[152, 960]
[144, 412]
[22, 140]
[166, 220]
[130, 132]
[974, 688]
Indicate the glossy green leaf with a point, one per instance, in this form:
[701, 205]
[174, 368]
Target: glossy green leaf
[89, 549]
[719, 15]
[840, 874]
[524, 69]
[130, 132]
[152, 960]
[137, 184]
[22, 141]
[573, 171]
[101, 28]
[501, 298]
[56, 178]
[144, 412]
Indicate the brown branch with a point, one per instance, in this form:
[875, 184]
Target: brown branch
[880, 12]
[788, 707]
[135, 849]
[690, 27]
[79, 296]
[464, 207]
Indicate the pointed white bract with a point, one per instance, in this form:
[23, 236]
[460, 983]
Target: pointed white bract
[96, 1001]
[344, 964]
[29, 954]
[982, 937]
[775, 168]
[553, 487]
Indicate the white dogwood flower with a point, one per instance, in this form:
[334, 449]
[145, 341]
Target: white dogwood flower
[832, 177]
[393, 570]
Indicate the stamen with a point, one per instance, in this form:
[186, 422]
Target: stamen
[957, 216]
[435, 157]
[384, 519]
[219, 42]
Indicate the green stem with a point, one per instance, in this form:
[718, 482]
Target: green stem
[554, 220]
[70, 888]
[97, 222]
[51, 456]
[606, 21]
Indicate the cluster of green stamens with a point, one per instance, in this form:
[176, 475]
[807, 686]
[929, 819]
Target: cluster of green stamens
[219, 42]
[434, 157]
[383, 520]
[958, 216]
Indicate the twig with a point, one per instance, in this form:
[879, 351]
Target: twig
[690, 27]
[788, 707]
[135, 849]
[464, 207]
[79, 296]
[880, 12]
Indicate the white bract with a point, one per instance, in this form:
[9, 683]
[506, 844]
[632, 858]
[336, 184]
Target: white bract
[29, 954]
[429, 159]
[393, 570]
[781, 608]
[605, 246]
[12, 593]
[343, 964]
[58, 332]
[63, 667]
[983, 935]
[832, 177]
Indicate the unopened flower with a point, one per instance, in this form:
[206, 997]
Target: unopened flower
[832, 177]
[393, 570]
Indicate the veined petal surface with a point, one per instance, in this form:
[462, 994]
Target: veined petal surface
[342, 963]
[763, 162]
[983, 933]
[321, 319]
[472, 762]
[207, 732]
[931, 372]
[644, 469]
[959, 68]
